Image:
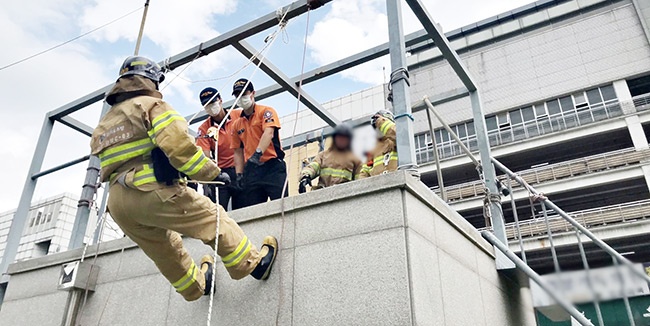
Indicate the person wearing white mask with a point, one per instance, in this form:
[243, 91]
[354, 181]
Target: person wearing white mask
[215, 142]
[259, 158]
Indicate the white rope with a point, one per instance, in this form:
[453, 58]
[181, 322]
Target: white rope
[285, 188]
[281, 25]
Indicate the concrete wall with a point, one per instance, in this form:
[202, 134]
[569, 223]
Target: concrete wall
[380, 251]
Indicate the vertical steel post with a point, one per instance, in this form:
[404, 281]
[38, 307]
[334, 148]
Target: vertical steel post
[87, 196]
[20, 217]
[400, 86]
[490, 178]
[441, 182]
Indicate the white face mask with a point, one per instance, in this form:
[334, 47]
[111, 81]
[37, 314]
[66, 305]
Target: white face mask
[213, 109]
[245, 102]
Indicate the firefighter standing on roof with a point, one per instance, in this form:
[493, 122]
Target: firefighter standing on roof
[143, 144]
[384, 156]
[335, 165]
[258, 152]
[208, 137]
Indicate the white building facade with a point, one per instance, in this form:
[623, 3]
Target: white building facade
[566, 92]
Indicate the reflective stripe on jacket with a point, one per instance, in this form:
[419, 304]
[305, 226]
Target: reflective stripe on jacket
[333, 166]
[385, 153]
[131, 129]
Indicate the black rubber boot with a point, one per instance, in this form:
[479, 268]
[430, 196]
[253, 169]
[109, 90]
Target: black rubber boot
[207, 261]
[263, 269]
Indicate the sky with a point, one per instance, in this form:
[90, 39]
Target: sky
[31, 89]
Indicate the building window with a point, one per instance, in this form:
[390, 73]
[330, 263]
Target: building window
[539, 119]
[41, 248]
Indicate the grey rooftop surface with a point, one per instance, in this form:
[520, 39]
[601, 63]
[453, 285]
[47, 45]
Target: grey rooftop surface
[379, 251]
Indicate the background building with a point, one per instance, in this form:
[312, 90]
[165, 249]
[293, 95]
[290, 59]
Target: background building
[566, 91]
[49, 227]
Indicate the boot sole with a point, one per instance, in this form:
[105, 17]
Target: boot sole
[275, 254]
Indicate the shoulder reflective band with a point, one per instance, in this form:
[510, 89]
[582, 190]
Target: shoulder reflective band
[145, 176]
[379, 160]
[385, 126]
[160, 122]
[125, 152]
[236, 256]
[337, 173]
[315, 166]
[195, 164]
[187, 280]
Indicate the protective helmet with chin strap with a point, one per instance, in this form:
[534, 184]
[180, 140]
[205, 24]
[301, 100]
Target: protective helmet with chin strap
[381, 113]
[141, 66]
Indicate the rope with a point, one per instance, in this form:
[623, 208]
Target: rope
[285, 188]
[281, 25]
[70, 40]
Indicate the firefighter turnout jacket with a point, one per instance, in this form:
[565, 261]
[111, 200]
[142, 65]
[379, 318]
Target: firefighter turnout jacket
[333, 166]
[153, 213]
[385, 152]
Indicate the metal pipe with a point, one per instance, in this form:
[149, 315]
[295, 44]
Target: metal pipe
[20, 217]
[141, 32]
[491, 238]
[441, 182]
[60, 167]
[626, 300]
[556, 262]
[401, 96]
[87, 196]
[600, 243]
[585, 264]
[451, 132]
[516, 217]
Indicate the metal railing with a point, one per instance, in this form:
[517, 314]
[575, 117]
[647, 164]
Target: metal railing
[587, 218]
[642, 102]
[562, 170]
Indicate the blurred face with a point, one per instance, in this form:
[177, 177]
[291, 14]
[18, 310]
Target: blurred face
[342, 142]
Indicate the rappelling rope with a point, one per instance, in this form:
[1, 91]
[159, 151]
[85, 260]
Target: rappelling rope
[285, 188]
[269, 40]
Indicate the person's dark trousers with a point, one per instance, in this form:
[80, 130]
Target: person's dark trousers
[229, 194]
[264, 182]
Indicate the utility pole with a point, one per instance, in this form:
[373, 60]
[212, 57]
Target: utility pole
[141, 32]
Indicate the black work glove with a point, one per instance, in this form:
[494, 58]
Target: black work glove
[306, 180]
[256, 159]
[223, 177]
[238, 185]
[373, 120]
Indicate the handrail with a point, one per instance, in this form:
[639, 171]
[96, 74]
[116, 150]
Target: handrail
[536, 278]
[597, 241]
[571, 168]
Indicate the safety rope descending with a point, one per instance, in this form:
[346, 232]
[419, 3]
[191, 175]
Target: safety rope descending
[285, 188]
[260, 57]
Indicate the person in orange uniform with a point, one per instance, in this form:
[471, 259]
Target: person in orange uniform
[209, 135]
[261, 170]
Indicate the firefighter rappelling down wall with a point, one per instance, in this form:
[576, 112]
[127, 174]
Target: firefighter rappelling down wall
[144, 146]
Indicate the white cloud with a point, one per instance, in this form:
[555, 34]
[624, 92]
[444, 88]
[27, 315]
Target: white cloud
[352, 26]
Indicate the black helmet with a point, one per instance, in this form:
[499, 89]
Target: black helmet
[386, 114]
[343, 130]
[135, 65]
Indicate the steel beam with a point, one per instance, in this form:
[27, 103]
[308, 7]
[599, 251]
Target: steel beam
[443, 44]
[249, 29]
[77, 125]
[307, 137]
[276, 74]
[20, 217]
[400, 86]
[87, 196]
[327, 70]
[60, 167]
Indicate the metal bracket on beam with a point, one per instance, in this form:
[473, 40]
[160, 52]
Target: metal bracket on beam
[276, 74]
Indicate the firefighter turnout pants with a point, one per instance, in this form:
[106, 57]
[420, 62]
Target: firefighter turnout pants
[154, 220]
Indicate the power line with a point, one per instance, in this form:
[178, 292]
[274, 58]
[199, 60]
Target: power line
[69, 41]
